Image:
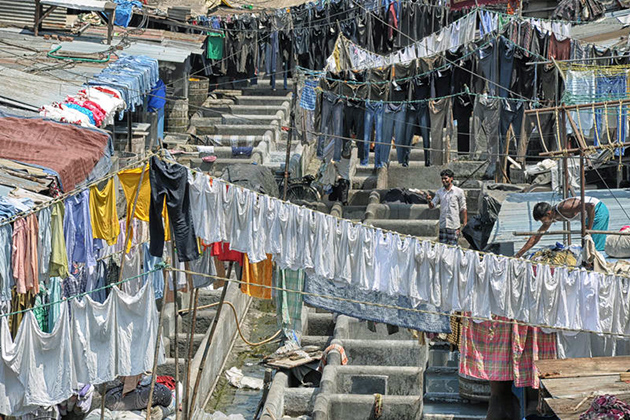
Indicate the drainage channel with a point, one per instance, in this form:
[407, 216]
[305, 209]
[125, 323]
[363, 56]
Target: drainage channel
[259, 324]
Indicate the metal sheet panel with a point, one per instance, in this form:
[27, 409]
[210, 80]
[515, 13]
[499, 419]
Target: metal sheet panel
[32, 89]
[22, 13]
[90, 5]
[516, 215]
[157, 51]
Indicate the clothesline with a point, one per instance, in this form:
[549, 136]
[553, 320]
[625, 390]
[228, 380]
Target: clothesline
[158, 267]
[402, 235]
[400, 308]
[62, 197]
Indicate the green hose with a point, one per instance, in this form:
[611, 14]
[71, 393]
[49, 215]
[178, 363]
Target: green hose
[87, 60]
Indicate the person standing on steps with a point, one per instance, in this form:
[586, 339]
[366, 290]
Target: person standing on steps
[453, 213]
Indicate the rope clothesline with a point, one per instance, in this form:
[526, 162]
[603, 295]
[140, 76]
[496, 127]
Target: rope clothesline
[401, 235]
[399, 308]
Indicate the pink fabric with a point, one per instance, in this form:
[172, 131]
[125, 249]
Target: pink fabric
[24, 259]
[502, 350]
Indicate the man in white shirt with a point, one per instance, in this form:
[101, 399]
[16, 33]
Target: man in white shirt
[453, 213]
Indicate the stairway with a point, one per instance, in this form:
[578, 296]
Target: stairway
[202, 325]
[442, 400]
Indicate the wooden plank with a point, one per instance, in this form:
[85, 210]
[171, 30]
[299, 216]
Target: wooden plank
[580, 387]
[587, 366]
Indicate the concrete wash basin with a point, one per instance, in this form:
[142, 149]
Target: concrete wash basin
[369, 380]
[361, 407]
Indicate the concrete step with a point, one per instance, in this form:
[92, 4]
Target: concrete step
[443, 357]
[315, 340]
[168, 368]
[441, 379]
[359, 197]
[247, 110]
[445, 397]
[426, 228]
[263, 100]
[266, 91]
[227, 93]
[238, 129]
[454, 411]
[399, 211]
[354, 212]
[416, 155]
[204, 320]
[182, 344]
[364, 182]
[236, 119]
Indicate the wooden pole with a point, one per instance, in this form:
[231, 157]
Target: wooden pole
[38, 14]
[565, 169]
[103, 391]
[194, 300]
[206, 350]
[156, 352]
[287, 159]
[176, 315]
[577, 149]
[582, 198]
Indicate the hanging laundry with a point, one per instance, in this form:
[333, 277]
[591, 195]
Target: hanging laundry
[103, 214]
[77, 229]
[6, 274]
[129, 180]
[289, 302]
[24, 261]
[169, 185]
[157, 277]
[257, 275]
[502, 350]
[44, 244]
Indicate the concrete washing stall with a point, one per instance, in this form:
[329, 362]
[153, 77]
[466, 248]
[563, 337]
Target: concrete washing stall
[378, 363]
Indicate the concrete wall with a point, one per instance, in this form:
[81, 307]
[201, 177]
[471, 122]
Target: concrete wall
[221, 345]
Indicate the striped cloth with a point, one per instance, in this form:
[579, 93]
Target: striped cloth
[289, 304]
[500, 351]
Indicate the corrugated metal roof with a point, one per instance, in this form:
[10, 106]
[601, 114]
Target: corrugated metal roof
[157, 51]
[516, 215]
[90, 5]
[33, 90]
[22, 13]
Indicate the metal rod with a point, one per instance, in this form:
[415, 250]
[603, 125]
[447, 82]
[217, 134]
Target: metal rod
[575, 232]
[206, 350]
[158, 341]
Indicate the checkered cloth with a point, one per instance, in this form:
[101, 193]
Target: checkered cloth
[448, 236]
[500, 351]
[289, 304]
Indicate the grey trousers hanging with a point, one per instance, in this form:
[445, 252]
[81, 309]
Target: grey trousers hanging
[441, 115]
[485, 127]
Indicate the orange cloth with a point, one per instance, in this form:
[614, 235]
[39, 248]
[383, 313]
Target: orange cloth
[129, 180]
[255, 275]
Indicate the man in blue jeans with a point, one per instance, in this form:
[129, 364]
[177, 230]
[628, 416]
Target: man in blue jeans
[453, 212]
